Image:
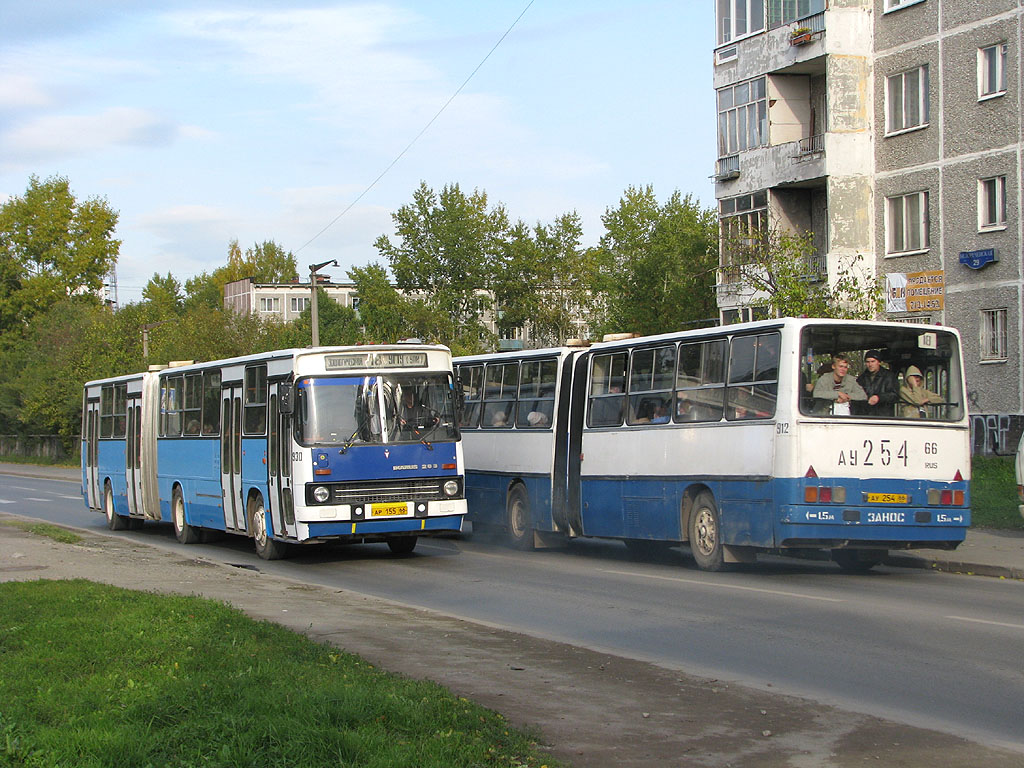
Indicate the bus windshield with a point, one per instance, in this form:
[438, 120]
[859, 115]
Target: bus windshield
[390, 408]
[880, 372]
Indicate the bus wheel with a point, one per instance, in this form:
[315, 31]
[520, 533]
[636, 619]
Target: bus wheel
[402, 545]
[857, 560]
[185, 533]
[520, 531]
[706, 534]
[115, 522]
[266, 547]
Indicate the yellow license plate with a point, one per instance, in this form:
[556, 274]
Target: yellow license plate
[887, 498]
[389, 510]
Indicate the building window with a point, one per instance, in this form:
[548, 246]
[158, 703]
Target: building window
[906, 223]
[270, 304]
[992, 71]
[737, 18]
[742, 117]
[299, 303]
[895, 5]
[784, 11]
[906, 100]
[992, 203]
[993, 334]
[743, 221]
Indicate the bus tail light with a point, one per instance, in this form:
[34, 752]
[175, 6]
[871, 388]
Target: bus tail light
[944, 497]
[825, 494]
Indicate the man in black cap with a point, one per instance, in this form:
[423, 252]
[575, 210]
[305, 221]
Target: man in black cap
[879, 384]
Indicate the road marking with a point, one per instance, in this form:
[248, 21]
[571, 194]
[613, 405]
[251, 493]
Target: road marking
[990, 623]
[7, 501]
[32, 498]
[79, 497]
[728, 586]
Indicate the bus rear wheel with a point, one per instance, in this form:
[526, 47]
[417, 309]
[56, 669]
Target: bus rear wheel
[185, 533]
[266, 547]
[520, 530]
[402, 545]
[706, 534]
[857, 560]
[115, 522]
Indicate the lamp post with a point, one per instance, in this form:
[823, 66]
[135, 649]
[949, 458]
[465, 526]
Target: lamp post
[314, 315]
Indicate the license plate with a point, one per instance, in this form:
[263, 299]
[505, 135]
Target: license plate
[389, 510]
[887, 498]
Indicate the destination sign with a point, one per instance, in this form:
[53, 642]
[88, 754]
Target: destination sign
[363, 360]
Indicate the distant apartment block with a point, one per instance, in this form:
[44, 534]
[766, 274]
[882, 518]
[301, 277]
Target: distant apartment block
[890, 129]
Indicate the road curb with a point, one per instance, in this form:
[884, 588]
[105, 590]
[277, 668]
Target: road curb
[955, 566]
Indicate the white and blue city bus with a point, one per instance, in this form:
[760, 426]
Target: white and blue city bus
[712, 437]
[354, 444]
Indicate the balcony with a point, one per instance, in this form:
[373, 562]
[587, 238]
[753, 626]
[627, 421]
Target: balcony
[727, 168]
[817, 268]
[812, 145]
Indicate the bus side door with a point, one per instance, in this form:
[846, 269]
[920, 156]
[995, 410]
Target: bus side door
[231, 457]
[279, 479]
[92, 433]
[133, 455]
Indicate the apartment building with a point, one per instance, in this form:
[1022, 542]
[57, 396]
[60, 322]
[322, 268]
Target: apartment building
[890, 129]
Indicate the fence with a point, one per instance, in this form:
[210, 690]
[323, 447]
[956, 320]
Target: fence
[50, 447]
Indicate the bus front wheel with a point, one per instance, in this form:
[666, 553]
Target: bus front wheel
[266, 547]
[402, 545]
[185, 533]
[115, 522]
[706, 534]
[520, 529]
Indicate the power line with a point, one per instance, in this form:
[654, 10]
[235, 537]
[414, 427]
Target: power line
[423, 131]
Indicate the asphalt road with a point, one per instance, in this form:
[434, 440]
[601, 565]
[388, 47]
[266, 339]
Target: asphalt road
[929, 649]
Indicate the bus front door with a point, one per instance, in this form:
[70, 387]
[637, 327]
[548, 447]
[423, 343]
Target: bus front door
[92, 453]
[279, 467]
[231, 458]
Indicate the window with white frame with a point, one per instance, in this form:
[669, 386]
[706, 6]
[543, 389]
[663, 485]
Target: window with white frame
[906, 224]
[906, 100]
[299, 303]
[992, 203]
[992, 71]
[270, 303]
[742, 117]
[736, 18]
[893, 5]
[993, 334]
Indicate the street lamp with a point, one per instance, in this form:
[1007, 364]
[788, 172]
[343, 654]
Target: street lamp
[314, 316]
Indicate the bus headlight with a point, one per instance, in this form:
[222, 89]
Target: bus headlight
[321, 493]
[451, 488]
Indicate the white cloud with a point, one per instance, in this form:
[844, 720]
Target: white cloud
[20, 91]
[69, 135]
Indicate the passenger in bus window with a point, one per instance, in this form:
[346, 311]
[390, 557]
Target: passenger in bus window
[415, 416]
[499, 419]
[660, 414]
[879, 384]
[914, 396]
[838, 389]
[537, 419]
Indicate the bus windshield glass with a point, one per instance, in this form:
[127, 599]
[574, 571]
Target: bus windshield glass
[389, 408]
[880, 372]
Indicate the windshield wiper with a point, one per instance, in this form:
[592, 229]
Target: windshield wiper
[350, 442]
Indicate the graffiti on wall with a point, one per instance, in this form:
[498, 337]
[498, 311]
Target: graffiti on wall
[995, 434]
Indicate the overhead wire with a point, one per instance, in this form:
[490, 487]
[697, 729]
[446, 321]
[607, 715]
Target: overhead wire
[425, 128]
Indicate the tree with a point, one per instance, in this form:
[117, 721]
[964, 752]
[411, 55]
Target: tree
[52, 247]
[446, 244]
[382, 309]
[778, 270]
[657, 263]
[339, 325]
[164, 293]
[265, 262]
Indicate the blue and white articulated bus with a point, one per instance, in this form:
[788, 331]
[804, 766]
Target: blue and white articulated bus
[714, 438]
[353, 444]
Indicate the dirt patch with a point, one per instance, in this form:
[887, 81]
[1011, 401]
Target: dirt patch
[588, 708]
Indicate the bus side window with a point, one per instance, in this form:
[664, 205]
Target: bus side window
[211, 403]
[471, 377]
[170, 406]
[193, 402]
[607, 389]
[536, 394]
[700, 381]
[255, 400]
[650, 385]
[500, 394]
[753, 369]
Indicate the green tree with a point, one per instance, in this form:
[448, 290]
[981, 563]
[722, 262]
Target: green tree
[382, 309]
[265, 262]
[780, 271]
[445, 245]
[658, 263]
[339, 326]
[52, 247]
[164, 293]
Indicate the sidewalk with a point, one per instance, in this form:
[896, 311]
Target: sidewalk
[985, 552]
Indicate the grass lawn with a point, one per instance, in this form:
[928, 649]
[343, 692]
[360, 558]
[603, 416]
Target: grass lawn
[994, 493]
[54, 532]
[93, 675]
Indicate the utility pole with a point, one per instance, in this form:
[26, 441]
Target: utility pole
[314, 315]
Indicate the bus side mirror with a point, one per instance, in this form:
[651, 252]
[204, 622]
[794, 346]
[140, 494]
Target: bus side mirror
[284, 398]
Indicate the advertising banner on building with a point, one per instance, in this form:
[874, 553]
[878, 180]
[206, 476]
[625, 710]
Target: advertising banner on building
[926, 291]
[895, 292]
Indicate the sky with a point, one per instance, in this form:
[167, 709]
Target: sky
[206, 121]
